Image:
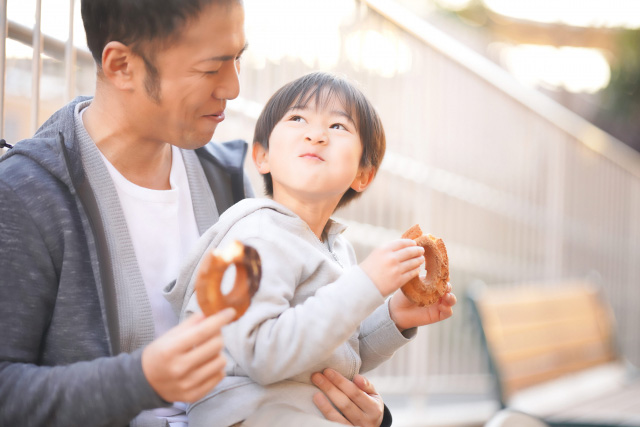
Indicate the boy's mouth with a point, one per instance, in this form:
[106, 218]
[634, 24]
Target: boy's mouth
[311, 156]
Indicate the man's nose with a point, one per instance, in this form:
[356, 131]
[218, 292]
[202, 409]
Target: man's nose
[228, 86]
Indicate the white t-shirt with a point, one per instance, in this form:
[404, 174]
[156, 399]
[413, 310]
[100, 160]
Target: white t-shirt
[163, 228]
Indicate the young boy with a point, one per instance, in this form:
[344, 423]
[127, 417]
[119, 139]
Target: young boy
[318, 144]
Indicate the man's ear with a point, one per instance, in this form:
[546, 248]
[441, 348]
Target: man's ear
[260, 158]
[363, 178]
[119, 64]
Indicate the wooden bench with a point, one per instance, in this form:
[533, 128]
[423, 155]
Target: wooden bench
[553, 355]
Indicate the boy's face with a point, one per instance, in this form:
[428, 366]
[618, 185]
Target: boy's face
[197, 75]
[314, 154]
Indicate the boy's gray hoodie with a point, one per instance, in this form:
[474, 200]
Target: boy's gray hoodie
[61, 356]
[313, 310]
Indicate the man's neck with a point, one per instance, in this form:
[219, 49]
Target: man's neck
[143, 162]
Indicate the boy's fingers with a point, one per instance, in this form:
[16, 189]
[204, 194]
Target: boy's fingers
[410, 274]
[399, 244]
[413, 263]
[411, 253]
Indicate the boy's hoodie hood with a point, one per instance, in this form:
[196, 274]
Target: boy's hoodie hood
[179, 292]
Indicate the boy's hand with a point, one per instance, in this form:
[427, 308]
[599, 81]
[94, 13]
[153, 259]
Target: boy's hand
[186, 362]
[394, 264]
[358, 401]
[407, 314]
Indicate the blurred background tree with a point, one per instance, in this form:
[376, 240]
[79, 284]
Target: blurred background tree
[620, 100]
[541, 33]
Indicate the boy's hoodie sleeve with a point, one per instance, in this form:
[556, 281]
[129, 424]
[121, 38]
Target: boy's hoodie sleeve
[104, 391]
[274, 341]
[380, 338]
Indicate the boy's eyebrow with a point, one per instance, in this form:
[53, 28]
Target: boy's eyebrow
[341, 113]
[227, 57]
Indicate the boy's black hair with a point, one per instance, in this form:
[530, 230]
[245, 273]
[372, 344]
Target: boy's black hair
[321, 88]
[139, 24]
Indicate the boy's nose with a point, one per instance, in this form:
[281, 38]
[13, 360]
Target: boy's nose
[316, 135]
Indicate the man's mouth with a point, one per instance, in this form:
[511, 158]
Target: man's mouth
[218, 117]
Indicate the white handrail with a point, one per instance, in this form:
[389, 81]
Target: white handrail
[70, 57]
[3, 61]
[36, 67]
[561, 117]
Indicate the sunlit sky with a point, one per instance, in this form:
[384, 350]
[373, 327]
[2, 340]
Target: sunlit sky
[271, 22]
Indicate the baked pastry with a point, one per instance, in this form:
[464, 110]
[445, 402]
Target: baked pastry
[211, 271]
[427, 290]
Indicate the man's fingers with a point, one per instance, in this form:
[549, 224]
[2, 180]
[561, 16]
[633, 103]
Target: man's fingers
[210, 370]
[198, 332]
[342, 392]
[326, 384]
[207, 351]
[198, 392]
[329, 412]
[198, 381]
[364, 384]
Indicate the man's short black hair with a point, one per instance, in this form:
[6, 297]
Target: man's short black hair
[139, 24]
[321, 88]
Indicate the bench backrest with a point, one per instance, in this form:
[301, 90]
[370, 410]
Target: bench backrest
[536, 333]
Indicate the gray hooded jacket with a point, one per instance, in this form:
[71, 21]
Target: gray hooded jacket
[315, 308]
[64, 355]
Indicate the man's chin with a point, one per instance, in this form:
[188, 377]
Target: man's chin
[197, 141]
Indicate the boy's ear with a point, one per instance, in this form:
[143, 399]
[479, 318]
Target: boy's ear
[363, 178]
[260, 158]
[119, 64]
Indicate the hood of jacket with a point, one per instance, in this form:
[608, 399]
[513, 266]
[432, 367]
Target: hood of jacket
[55, 148]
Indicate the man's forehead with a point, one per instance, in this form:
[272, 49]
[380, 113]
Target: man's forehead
[225, 57]
[218, 30]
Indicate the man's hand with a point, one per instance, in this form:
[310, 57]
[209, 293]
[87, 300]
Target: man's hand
[358, 401]
[394, 264]
[185, 363]
[407, 314]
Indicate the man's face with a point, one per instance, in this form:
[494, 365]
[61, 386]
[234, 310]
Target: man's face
[196, 76]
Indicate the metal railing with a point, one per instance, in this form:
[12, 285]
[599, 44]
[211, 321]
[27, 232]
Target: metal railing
[42, 45]
[520, 188]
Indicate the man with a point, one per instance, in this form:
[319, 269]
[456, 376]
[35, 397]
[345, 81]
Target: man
[98, 209]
